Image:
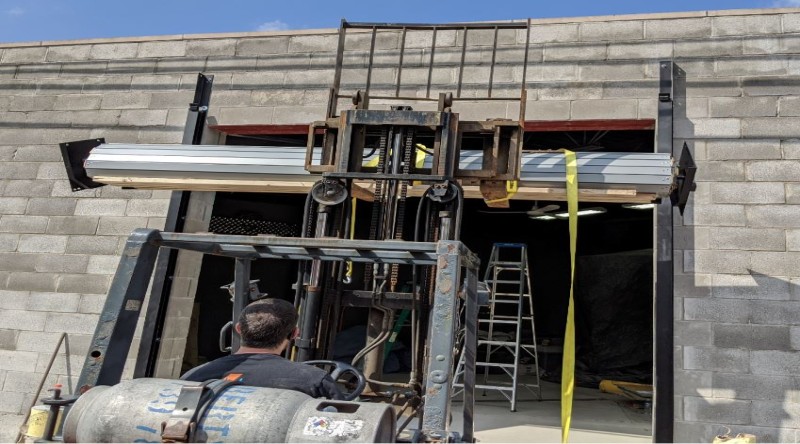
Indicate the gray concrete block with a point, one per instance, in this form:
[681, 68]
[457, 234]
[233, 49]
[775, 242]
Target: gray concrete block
[22, 320]
[750, 286]
[102, 264]
[181, 65]
[723, 171]
[13, 87]
[746, 25]
[83, 69]
[567, 90]
[716, 215]
[776, 413]
[70, 263]
[303, 114]
[32, 54]
[604, 109]
[22, 224]
[31, 103]
[92, 244]
[78, 323]
[213, 47]
[677, 28]
[68, 53]
[92, 303]
[13, 205]
[72, 225]
[692, 286]
[615, 31]
[51, 206]
[156, 222]
[101, 207]
[728, 128]
[148, 82]
[792, 193]
[755, 387]
[264, 45]
[217, 64]
[763, 66]
[313, 43]
[574, 52]
[693, 333]
[37, 153]
[774, 362]
[17, 262]
[131, 66]
[743, 149]
[762, 45]
[777, 216]
[19, 170]
[262, 80]
[770, 85]
[113, 134]
[175, 99]
[622, 71]
[693, 383]
[13, 300]
[12, 402]
[728, 411]
[789, 106]
[716, 310]
[767, 127]
[114, 192]
[751, 337]
[708, 48]
[157, 134]
[640, 50]
[788, 170]
[41, 243]
[107, 84]
[106, 51]
[391, 40]
[129, 100]
[775, 312]
[54, 302]
[743, 106]
[556, 32]
[142, 117]
[148, 208]
[547, 110]
[8, 339]
[83, 283]
[772, 263]
[716, 359]
[246, 115]
[173, 48]
[9, 242]
[123, 226]
[752, 192]
[729, 238]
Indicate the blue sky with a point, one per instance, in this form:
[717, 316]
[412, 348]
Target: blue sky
[32, 20]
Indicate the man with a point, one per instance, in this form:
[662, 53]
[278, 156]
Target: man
[266, 327]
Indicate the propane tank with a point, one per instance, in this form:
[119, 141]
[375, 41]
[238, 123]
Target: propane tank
[132, 411]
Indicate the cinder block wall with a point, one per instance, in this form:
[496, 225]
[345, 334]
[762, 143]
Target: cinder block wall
[738, 264]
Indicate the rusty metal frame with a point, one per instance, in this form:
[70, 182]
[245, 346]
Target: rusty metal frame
[456, 280]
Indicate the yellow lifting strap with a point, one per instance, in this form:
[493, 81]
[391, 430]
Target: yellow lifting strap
[568, 364]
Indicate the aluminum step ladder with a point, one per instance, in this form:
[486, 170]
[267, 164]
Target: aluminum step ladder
[508, 278]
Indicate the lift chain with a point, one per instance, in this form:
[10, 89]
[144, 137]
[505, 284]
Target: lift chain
[401, 203]
[377, 201]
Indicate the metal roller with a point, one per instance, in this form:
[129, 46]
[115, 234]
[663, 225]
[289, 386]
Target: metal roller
[133, 411]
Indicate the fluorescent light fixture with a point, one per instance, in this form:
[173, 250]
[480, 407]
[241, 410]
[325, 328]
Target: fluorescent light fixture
[543, 217]
[646, 206]
[584, 212]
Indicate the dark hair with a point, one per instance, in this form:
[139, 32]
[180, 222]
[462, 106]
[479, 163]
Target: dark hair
[267, 322]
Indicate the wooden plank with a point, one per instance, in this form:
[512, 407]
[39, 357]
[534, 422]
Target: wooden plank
[364, 190]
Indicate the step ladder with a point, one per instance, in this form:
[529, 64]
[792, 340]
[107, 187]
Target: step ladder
[509, 282]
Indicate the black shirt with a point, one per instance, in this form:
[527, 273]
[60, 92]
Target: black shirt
[272, 371]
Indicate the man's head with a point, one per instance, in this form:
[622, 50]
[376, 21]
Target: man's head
[267, 323]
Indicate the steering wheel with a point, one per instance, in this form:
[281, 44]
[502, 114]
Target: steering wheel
[339, 369]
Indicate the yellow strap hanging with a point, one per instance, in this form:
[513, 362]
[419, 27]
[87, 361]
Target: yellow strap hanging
[568, 364]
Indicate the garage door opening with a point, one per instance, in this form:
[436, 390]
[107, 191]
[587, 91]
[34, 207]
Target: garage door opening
[613, 292]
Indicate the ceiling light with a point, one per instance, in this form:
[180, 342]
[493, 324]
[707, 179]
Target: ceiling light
[584, 212]
[543, 217]
[646, 206]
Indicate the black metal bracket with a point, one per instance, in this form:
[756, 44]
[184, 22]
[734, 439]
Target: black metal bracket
[687, 169]
[74, 155]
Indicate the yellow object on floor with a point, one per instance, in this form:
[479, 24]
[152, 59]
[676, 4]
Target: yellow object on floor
[741, 438]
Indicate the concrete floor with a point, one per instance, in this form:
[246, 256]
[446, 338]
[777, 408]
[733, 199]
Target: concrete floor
[596, 417]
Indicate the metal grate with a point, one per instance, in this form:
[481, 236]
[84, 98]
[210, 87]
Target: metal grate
[252, 227]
